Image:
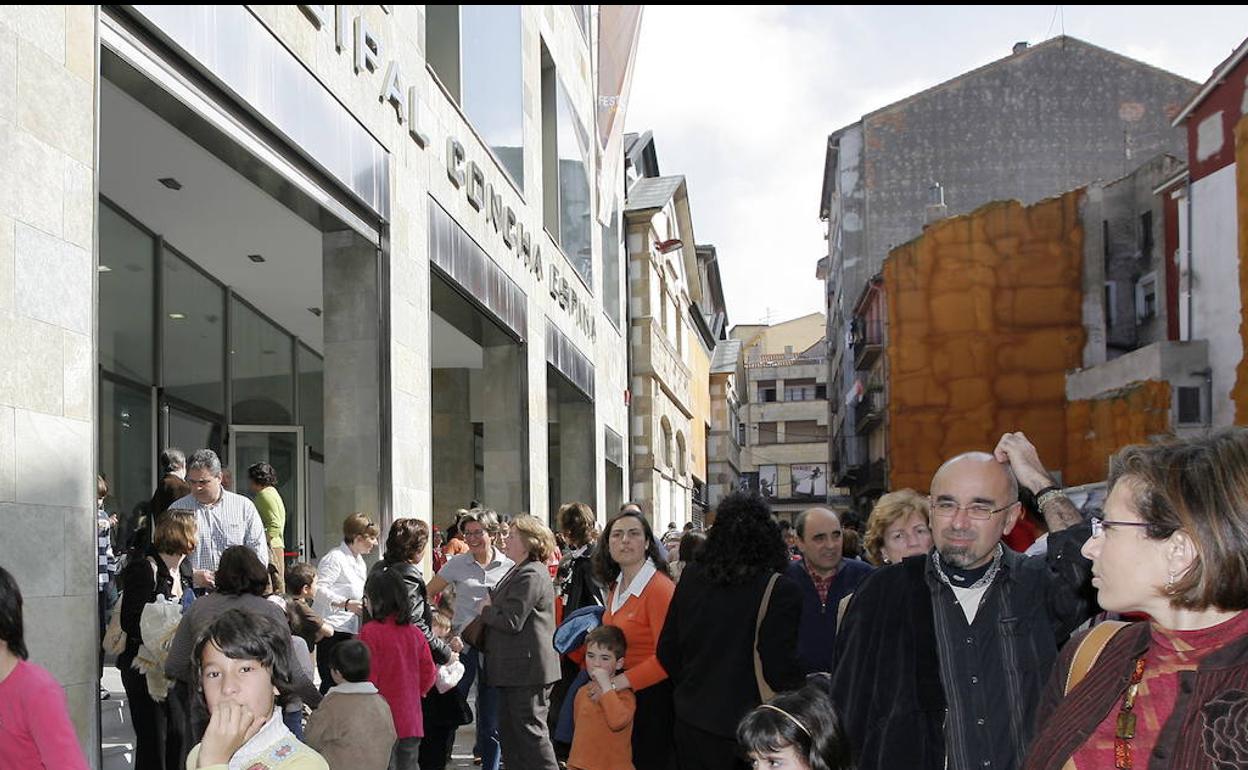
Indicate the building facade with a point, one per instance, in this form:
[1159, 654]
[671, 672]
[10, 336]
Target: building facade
[784, 451]
[378, 247]
[1040, 122]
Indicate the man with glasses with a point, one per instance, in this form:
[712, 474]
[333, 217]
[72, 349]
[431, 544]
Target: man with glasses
[223, 518]
[941, 659]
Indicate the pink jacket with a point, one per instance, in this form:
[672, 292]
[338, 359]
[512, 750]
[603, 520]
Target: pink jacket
[402, 669]
[35, 731]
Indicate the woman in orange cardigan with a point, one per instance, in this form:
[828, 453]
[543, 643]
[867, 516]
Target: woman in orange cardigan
[635, 569]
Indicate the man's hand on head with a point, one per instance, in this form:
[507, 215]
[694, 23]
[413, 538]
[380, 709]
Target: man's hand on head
[1020, 453]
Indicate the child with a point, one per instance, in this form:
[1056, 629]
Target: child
[795, 731]
[445, 707]
[242, 661]
[402, 667]
[353, 726]
[304, 622]
[604, 715]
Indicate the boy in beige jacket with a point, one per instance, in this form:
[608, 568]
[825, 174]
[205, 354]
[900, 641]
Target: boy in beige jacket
[352, 729]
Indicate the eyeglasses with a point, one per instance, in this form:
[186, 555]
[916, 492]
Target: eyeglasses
[474, 533]
[201, 482]
[1099, 526]
[981, 511]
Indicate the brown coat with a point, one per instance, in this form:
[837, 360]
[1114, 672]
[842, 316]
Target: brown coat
[352, 731]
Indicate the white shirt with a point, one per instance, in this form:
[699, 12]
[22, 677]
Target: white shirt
[273, 731]
[353, 688]
[640, 581]
[340, 577]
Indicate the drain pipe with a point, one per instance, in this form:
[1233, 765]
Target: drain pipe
[1191, 276]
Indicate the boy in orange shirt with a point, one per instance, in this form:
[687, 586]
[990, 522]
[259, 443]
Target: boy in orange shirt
[604, 715]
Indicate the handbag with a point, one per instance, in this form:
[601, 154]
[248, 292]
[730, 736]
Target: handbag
[1089, 649]
[764, 690]
[473, 634]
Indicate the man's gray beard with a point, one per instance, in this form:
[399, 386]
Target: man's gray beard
[960, 557]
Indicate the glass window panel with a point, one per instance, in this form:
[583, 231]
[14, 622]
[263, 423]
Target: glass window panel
[189, 432]
[127, 297]
[492, 82]
[312, 398]
[194, 335]
[126, 453]
[612, 248]
[574, 209]
[262, 373]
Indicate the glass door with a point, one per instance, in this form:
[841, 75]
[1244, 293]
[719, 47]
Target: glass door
[282, 447]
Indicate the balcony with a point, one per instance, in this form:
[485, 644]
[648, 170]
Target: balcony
[867, 342]
[869, 413]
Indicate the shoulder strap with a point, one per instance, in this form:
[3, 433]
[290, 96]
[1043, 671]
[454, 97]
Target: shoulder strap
[764, 690]
[1089, 650]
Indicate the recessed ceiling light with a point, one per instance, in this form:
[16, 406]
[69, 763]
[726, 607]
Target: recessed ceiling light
[268, 352]
[177, 316]
[316, 311]
[171, 183]
[104, 269]
[255, 258]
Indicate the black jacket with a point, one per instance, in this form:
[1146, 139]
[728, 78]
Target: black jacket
[577, 584]
[707, 647]
[418, 602]
[886, 680]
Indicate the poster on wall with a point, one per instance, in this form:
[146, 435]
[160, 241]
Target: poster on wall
[810, 481]
[767, 481]
[748, 482]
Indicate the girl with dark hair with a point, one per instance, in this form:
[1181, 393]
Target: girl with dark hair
[405, 549]
[629, 562]
[796, 731]
[242, 665]
[35, 731]
[733, 612]
[402, 668]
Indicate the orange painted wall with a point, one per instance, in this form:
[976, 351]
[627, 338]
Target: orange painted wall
[984, 314]
[1239, 393]
[1097, 428]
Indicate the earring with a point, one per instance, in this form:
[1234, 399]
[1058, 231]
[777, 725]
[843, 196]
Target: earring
[1170, 582]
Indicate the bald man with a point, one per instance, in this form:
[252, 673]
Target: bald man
[940, 661]
[825, 578]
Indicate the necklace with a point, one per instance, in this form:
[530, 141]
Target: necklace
[1124, 730]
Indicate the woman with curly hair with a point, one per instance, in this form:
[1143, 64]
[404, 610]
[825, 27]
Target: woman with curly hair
[1171, 690]
[731, 602]
[898, 527]
[639, 592]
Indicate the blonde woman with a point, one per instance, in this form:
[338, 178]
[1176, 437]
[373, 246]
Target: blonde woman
[898, 527]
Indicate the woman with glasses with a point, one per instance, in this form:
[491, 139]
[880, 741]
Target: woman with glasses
[340, 578]
[1170, 690]
[472, 575]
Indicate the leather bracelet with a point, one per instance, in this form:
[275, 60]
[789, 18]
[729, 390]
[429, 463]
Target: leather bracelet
[1044, 491]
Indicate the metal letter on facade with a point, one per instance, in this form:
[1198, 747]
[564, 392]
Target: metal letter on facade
[455, 161]
[476, 185]
[509, 227]
[392, 90]
[413, 113]
[317, 14]
[367, 47]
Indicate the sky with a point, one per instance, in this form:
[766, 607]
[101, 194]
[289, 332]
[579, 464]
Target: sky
[741, 101]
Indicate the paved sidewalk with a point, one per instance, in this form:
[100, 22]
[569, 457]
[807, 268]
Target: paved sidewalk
[117, 734]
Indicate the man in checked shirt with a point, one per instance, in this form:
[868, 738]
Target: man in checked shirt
[223, 517]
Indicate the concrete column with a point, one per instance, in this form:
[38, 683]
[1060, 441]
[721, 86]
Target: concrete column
[577, 461]
[48, 325]
[352, 388]
[780, 391]
[453, 469]
[505, 394]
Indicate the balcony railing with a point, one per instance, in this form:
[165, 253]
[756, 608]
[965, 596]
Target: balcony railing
[867, 341]
[869, 413]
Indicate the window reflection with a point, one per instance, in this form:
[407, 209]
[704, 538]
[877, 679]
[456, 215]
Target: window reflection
[127, 304]
[491, 81]
[194, 335]
[574, 209]
[262, 361]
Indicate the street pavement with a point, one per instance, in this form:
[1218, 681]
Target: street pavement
[117, 733]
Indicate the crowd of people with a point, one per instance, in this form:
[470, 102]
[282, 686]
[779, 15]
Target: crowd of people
[1116, 640]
